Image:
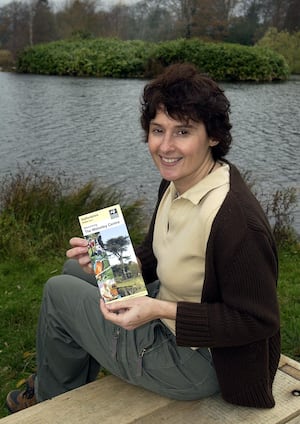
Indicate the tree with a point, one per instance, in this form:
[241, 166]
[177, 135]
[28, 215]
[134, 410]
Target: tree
[43, 27]
[78, 16]
[278, 13]
[292, 17]
[14, 28]
[120, 21]
[253, 18]
[204, 18]
[188, 12]
[23, 24]
[118, 246]
[284, 43]
[243, 29]
[153, 21]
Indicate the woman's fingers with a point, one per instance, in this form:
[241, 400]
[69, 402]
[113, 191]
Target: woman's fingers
[79, 251]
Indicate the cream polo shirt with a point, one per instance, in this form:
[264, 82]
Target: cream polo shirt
[181, 232]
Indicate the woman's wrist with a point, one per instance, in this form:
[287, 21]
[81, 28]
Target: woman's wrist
[166, 309]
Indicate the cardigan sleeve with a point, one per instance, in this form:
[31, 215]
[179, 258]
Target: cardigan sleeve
[239, 301]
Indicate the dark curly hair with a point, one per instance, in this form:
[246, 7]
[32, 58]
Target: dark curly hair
[184, 93]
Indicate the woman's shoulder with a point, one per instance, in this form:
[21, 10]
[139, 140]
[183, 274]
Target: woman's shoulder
[241, 209]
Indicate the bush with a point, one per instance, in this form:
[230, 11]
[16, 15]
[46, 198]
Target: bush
[224, 62]
[39, 213]
[105, 57]
[100, 57]
[279, 207]
[285, 44]
[6, 59]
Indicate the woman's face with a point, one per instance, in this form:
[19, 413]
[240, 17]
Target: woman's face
[180, 150]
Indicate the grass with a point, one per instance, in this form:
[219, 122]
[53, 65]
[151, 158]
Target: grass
[37, 217]
[20, 296]
[289, 300]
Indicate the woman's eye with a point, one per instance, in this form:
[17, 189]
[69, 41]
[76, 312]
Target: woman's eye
[156, 130]
[182, 132]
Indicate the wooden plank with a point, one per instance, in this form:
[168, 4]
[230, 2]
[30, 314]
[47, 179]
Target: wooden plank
[216, 411]
[290, 366]
[295, 421]
[108, 401]
[285, 360]
[111, 401]
[291, 371]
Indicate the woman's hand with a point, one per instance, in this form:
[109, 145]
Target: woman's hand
[133, 313]
[79, 251]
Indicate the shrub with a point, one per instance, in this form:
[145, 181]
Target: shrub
[137, 59]
[92, 57]
[6, 59]
[285, 44]
[39, 213]
[279, 207]
[226, 62]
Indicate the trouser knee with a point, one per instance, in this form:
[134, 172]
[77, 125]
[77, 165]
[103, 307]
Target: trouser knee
[52, 286]
[72, 267]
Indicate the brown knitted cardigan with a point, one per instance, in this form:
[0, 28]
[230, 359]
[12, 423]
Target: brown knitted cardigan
[238, 317]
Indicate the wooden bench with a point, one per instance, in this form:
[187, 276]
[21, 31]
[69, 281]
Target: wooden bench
[110, 400]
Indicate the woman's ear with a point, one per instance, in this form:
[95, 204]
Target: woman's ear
[213, 143]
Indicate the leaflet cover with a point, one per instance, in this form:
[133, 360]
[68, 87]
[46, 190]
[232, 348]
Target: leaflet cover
[112, 256]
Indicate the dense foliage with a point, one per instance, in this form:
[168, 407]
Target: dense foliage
[100, 57]
[6, 59]
[39, 212]
[105, 57]
[223, 61]
[285, 44]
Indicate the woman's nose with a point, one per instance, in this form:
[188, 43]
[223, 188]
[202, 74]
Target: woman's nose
[167, 142]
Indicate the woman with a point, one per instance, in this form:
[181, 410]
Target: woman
[211, 320]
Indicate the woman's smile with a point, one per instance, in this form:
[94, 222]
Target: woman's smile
[169, 161]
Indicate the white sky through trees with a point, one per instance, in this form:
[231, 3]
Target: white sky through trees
[61, 2]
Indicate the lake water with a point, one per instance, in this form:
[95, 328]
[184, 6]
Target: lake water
[89, 128]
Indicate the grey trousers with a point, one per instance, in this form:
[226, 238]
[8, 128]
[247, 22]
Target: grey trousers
[74, 341]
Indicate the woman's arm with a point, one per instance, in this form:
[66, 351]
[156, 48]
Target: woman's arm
[239, 302]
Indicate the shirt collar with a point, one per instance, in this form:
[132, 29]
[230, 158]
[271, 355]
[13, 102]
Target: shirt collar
[196, 193]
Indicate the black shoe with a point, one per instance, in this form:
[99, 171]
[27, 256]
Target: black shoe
[21, 399]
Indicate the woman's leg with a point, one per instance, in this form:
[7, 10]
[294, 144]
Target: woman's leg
[152, 360]
[72, 267]
[74, 338]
